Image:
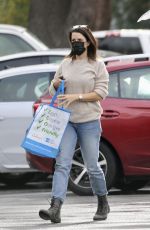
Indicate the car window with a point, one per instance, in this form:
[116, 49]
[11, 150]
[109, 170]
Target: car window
[10, 44]
[20, 62]
[26, 87]
[113, 85]
[135, 84]
[124, 45]
[56, 58]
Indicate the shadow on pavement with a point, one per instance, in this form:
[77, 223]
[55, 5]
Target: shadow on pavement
[46, 185]
[40, 182]
[145, 190]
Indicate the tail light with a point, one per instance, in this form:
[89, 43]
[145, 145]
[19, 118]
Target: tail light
[35, 106]
[43, 100]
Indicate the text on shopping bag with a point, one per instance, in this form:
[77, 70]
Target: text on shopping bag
[47, 127]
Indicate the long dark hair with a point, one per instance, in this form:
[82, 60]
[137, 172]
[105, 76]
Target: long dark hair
[87, 33]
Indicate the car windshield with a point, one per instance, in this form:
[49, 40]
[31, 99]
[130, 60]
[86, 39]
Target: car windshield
[124, 45]
[39, 41]
[11, 44]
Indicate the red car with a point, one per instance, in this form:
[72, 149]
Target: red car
[125, 143]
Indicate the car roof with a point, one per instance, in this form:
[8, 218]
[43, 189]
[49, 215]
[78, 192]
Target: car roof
[127, 58]
[121, 32]
[28, 69]
[60, 52]
[12, 28]
[129, 65]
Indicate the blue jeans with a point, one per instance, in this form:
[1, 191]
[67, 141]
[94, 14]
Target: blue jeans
[88, 135]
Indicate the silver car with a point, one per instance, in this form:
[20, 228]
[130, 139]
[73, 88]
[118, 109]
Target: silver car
[41, 57]
[33, 58]
[19, 88]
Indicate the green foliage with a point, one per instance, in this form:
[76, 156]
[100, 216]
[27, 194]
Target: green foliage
[14, 12]
[127, 12]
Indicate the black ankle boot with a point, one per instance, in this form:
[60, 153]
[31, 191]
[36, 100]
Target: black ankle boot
[53, 213]
[102, 209]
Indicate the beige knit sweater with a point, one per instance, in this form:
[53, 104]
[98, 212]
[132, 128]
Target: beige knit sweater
[83, 76]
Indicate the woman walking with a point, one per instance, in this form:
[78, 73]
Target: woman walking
[86, 84]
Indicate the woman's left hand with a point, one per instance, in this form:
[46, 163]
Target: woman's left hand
[67, 99]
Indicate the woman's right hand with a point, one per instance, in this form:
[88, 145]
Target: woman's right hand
[57, 82]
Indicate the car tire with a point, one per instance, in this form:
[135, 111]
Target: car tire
[79, 180]
[131, 185]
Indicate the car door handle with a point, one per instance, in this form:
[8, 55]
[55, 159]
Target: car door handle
[110, 113]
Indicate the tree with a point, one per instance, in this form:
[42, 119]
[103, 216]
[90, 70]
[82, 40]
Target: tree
[14, 12]
[127, 12]
[51, 19]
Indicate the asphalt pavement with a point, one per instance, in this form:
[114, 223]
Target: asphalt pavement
[19, 210]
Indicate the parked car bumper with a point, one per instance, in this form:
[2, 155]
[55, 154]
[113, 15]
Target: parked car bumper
[37, 162]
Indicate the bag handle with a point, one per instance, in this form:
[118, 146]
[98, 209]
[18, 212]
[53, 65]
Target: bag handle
[59, 90]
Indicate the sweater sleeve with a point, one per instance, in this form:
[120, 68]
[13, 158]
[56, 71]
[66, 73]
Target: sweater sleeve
[101, 81]
[58, 74]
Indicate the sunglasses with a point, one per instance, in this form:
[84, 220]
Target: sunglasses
[80, 26]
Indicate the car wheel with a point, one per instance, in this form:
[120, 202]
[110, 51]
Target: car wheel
[131, 185]
[79, 180]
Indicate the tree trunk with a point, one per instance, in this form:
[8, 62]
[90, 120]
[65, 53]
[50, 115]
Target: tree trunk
[95, 13]
[50, 20]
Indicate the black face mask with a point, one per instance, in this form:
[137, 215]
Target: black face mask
[77, 48]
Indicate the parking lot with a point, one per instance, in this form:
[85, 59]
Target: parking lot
[19, 209]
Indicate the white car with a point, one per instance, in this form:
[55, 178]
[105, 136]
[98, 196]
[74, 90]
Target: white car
[19, 88]
[15, 39]
[125, 41]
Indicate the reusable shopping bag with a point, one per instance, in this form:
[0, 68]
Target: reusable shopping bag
[44, 135]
